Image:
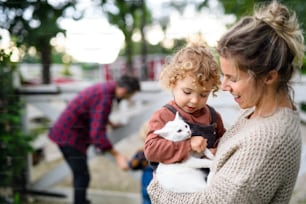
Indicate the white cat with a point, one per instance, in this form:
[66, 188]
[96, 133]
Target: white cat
[187, 175]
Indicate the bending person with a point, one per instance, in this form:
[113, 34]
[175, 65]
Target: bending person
[84, 123]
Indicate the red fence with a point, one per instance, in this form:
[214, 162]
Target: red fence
[119, 67]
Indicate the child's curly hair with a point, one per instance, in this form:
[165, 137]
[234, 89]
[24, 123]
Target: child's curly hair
[194, 60]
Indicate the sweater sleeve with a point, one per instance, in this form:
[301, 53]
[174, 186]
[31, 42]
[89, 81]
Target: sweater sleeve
[158, 149]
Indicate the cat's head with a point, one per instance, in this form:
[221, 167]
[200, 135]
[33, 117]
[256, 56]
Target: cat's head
[175, 130]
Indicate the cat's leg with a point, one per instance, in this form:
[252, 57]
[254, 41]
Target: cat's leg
[193, 162]
[209, 178]
[208, 154]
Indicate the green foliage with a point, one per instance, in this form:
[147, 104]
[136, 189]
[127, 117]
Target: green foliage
[56, 58]
[39, 29]
[303, 106]
[245, 7]
[129, 17]
[303, 70]
[90, 66]
[14, 143]
[159, 48]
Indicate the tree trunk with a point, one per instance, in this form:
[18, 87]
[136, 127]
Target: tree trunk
[129, 55]
[45, 50]
[144, 52]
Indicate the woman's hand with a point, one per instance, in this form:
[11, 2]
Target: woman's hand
[198, 143]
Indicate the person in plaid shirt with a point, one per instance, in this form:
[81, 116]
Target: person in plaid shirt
[84, 122]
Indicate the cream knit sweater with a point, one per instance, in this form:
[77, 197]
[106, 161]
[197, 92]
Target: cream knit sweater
[257, 162]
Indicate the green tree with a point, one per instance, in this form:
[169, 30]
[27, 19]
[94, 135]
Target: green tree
[129, 17]
[245, 7]
[14, 143]
[34, 24]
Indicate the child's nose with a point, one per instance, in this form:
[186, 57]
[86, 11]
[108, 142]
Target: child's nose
[194, 99]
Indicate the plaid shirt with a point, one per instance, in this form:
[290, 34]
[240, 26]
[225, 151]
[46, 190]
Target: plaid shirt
[84, 121]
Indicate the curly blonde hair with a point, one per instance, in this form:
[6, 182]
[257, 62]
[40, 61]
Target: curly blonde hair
[193, 60]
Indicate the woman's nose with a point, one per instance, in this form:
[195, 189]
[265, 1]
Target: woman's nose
[225, 86]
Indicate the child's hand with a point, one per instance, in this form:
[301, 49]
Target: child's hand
[198, 143]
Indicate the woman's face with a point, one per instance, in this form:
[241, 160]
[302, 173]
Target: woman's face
[189, 96]
[240, 84]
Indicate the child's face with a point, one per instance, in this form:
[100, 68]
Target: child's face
[189, 96]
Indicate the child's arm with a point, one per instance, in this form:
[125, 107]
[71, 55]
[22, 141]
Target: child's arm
[158, 149]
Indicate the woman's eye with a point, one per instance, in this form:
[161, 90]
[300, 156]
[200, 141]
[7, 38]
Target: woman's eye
[230, 78]
[233, 79]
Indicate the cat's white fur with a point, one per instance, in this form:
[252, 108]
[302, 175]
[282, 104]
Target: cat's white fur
[185, 176]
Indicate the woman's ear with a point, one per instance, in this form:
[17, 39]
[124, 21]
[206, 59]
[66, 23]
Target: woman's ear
[271, 77]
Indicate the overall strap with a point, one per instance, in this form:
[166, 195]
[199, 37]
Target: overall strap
[212, 113]
[171, 108]
[213, 116]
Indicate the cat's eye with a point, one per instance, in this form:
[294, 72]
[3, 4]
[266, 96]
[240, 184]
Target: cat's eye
[180, 130]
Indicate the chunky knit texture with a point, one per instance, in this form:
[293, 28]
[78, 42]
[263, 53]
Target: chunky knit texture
[257, 162]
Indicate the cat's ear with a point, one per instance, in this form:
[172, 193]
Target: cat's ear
[177, 116]
[160, 132]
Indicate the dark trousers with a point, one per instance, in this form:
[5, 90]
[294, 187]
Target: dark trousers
[77, 162]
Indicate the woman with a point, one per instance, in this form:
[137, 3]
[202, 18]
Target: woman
[258, 158]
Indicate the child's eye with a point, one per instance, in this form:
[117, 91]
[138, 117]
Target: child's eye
[187, 92]
[204, 95]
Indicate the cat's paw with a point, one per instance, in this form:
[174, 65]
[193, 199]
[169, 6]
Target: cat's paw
[209, 178]
[208, 154]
